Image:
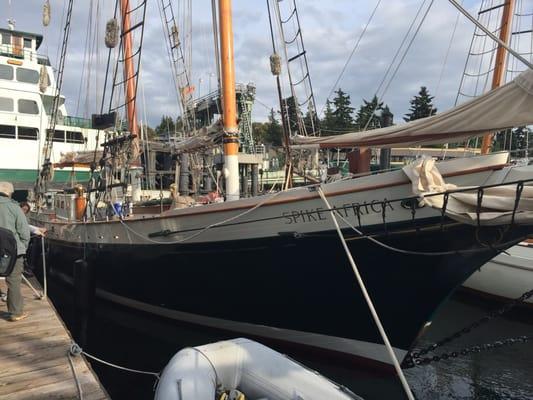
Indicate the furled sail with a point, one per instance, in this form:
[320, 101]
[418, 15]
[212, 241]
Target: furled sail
[508, 106]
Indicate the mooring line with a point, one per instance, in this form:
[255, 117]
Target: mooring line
[369, 302]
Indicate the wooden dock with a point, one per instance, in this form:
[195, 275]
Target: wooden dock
[34, 361]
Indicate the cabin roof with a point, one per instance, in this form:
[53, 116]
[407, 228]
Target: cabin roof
[38, 37]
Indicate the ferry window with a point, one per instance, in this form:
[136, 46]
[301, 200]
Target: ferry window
[27, 43]
[6, 72]
[28, 133]
[59, 136]
[27, 75]
[28, 106]
[6, 104]
[75, 137]
[7, 131]
[6, 38]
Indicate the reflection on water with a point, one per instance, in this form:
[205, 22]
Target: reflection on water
[504, 373]
[141, 342]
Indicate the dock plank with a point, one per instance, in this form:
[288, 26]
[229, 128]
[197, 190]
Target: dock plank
[34, 356]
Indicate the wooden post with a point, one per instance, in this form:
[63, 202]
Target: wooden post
[499, 65]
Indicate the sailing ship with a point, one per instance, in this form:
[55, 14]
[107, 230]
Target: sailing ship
[508, 275]
[272, 266]
[27, 89]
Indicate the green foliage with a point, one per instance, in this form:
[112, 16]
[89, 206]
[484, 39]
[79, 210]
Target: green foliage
[366, 117]
[342, 114]
[421, 106]
[274, 131]
[269, 132]
[166, 125]
[328, 122]
[520, 138]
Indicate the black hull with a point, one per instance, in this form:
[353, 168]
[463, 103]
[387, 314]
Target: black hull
[297, 283]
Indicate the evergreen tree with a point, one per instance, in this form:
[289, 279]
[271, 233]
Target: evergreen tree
[421, 106]
[342, 115]
[520, 138]
[366, 117]
[293, 112]
[273, 132]
[166, 126]
[328, 122]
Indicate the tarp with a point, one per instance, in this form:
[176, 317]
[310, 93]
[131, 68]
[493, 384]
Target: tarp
[508, 106]
[497, 204]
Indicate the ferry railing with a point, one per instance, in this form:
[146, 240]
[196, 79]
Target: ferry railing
[21, 53]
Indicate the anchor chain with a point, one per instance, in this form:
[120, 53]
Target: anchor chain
[416, 358]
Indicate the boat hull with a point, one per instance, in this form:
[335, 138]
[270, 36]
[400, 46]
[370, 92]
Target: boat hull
[507, 276]
[296, 284]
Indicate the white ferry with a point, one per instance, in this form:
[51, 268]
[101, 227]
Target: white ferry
[27, 90]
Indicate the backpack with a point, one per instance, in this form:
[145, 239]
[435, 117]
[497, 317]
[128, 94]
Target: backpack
[8, 252]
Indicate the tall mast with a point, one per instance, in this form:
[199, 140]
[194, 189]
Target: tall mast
[129, 70]
[499, 65]
[229, 102]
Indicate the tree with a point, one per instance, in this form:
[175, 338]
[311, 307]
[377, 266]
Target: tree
[166, 126]
[366, 117]
[342, 115]
[514, 139]
[273, 132]
[328, 122]
[421, 106]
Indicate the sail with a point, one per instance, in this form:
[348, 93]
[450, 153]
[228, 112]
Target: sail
[508, 106]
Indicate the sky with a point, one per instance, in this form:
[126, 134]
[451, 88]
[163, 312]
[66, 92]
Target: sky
[330, 31]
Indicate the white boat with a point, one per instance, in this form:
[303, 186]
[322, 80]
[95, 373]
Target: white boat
[508, 275]
[27, 90]
[258, 372]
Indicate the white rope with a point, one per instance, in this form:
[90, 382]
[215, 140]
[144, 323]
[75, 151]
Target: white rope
[371, 307]
[45, 284]
[75, 349]
[204, 229]
[78, 383]
[35, 291]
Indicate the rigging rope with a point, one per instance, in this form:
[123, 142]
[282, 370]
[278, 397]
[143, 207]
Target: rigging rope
[368, 300]
[343, 70]
[143, 236]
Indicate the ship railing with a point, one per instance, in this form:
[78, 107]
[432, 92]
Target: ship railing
[78, 122]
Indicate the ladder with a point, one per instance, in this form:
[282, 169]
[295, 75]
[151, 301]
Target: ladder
[298, 73]
[136, 13]
[246, 102]
[179, 62]
[46, 170]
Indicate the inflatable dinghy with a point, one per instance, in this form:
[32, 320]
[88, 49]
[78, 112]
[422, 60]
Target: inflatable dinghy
[243, 369]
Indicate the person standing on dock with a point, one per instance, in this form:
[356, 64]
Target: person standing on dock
[13, 219]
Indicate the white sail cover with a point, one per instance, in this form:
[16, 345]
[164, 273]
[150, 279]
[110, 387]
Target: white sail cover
[508, 106]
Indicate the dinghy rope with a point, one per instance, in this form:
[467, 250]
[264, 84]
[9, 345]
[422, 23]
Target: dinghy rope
[369, 302]
[76, 350]
[415, 358]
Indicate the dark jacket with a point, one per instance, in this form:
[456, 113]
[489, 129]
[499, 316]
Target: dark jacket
[12, 218]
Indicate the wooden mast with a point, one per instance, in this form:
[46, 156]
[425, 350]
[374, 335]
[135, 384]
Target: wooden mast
[129, 69]
[499, 65]
[229, 101]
